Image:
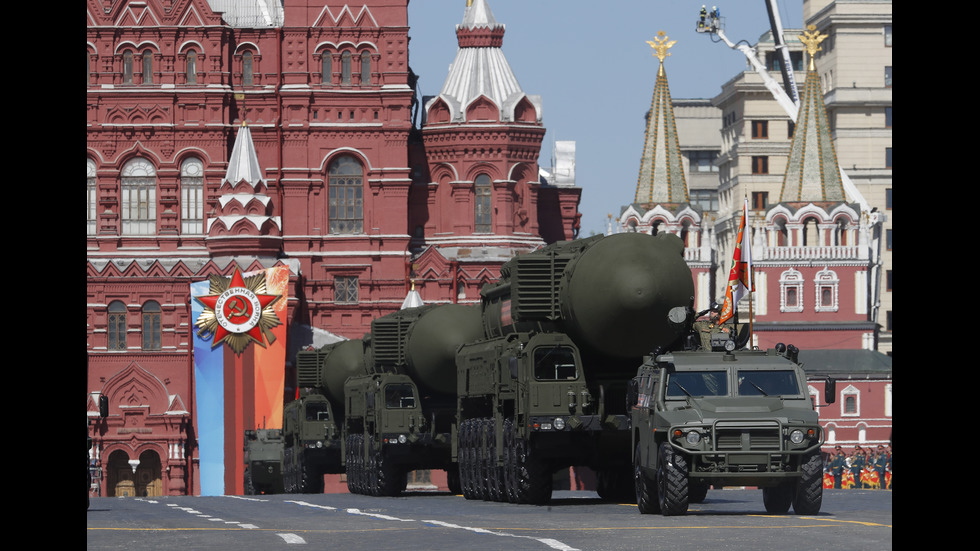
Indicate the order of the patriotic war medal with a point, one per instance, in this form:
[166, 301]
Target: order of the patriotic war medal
[238, 311]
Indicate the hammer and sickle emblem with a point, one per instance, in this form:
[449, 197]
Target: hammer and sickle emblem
[237, 308]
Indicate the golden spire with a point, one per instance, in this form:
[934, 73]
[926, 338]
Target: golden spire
[469, 3]
[811, 38]
[661, 46]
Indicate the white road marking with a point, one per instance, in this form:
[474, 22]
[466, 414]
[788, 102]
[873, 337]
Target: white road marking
[552, 543]
[291, 538]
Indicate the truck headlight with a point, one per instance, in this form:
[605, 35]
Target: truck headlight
[693, 437]
[796, 436]
[559, 423]
[402, 439]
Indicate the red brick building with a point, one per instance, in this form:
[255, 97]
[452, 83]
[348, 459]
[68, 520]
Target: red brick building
[340, 181]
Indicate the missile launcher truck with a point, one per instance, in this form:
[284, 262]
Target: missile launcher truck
[720, 416]
[400, 416]
[313, 423]
[263, 462]
[564, 330]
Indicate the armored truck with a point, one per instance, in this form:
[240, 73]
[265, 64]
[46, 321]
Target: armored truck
[564, 329]
[400, 416]
[723, 417]
[263, 462]
[313, 423]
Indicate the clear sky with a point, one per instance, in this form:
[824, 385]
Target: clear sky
[591, 64]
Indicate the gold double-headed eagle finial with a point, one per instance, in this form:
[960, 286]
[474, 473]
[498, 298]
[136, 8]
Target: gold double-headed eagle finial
[660, 46]
[811, 39]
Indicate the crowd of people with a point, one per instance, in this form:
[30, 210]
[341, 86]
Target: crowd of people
[863, 468]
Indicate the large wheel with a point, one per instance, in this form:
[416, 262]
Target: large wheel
[777, 499]
[646, 490]
[453, 481]
[672, 483]
[249, 488]
[696, 492]
[510, 463]
[809, 487]
[390, 479]
[349, 459]
[312, 482]
[465, 458]
[495, 482]
[533, 476]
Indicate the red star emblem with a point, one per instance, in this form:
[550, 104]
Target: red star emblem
[235, 315]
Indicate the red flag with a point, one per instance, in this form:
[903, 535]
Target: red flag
[740, 278]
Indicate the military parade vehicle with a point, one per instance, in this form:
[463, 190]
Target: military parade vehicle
[313, 423]
[725, 417]
[400, 416]
[263, 462]
[565, 328]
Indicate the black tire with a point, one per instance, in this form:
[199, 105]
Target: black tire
[510, 463]
[495, 483]
[777, 499]
[646, 490]
[453, 480]
[465, 458]
[312, 480]
[696, 492]
[390, 479]
[672, 483]
[249, 489]
[809, 487]
[533, 476]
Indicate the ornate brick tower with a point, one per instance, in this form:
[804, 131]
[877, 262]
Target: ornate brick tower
[811, 255]
[661, 203]
[480, 202]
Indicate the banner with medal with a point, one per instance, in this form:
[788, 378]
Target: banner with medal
[239, 367]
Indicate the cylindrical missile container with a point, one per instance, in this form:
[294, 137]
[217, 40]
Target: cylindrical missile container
[612, 294]
[421, 342]
[326, 368]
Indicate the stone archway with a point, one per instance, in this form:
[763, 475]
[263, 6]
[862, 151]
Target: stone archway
[149, 479]
[120, 479]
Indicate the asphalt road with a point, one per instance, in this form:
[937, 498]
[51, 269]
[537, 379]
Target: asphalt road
[728, 519]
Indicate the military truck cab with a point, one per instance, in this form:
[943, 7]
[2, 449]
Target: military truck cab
[263, 450]
[392, 430]
[744, 418]
[311, 444]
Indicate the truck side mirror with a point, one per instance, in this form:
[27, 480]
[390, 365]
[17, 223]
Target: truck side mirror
[830, 391]
[103, 405]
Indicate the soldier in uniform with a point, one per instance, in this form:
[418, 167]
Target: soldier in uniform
[881, 462]
[857, 465]
[837, 467]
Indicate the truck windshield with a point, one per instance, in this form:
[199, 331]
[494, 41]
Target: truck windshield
[554, 363]
[767, 383]
[697, 383]
[399, 396]
[317, 411]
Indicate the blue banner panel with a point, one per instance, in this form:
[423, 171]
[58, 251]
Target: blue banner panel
[210, 399]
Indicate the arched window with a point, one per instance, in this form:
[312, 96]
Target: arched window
[90, 195]
[482, 206]
[326, 68]
[791, 291]
[827, 285]
[117, 326]
[247, 69]
[345, 68]
[346, 195]
[192, 67]
[127, 68]
[192, 196]
[365, 69]
[148, 67]
[151, 325]
[138, 207]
